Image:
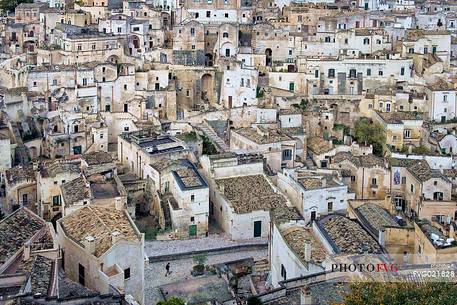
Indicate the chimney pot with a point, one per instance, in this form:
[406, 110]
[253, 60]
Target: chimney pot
[308, 249]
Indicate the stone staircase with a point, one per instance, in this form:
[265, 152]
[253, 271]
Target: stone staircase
[221, 145]
[261, 266]
[166, 213]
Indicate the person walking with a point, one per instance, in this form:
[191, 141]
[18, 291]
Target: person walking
[167, 267]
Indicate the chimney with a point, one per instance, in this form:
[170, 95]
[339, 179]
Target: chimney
[381, 237]
[89, 244]
[308, 249]
[27, 250]
[115, 237]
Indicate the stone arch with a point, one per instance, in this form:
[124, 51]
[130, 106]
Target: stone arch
[135, 41]
[113, 59]
[269, 57]
[207, 87]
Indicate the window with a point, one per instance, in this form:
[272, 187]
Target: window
[283, 272]
[412, 188]
[411, 50]
[93, 46]
[366, 41]
[330, 206]
[444, 97]
[380, 73]
[407, 134]
[299, 18]
[126, 274]
[291, 86]
[316, 73]
[403, 180]
[352, 73]
[81, 275]
[107, 108]
[208, 14]
[192, 219]
[374, 182]
[84, 81]
[125, 86]
[226, 15]
[80, 47]
[368, 72]
[387, 107]
[192, 198]
[56, 200]
[126, 128]
[331, 73]
[438, 196]
[352, 178]
[248, 83]
[192, 31]
[225, 35]
[402, 71]
[287, 154]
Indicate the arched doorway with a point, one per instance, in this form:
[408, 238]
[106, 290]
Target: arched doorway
[269, 56]
[208, 60]
[207, 87]
[136, 42]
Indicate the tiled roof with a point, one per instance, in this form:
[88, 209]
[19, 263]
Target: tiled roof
[20, 173]
[75, 191]
[100, 223]
[41, 275]
[97, 157]
[296, 237]
[376, 217]
[359, 161]
[51, 169]
[452, 173]
[421, 170]
[398, 117]
[319, 145]
[348, 236]
[371, 161]
[16, 230]
[283, 214]
[250, 193]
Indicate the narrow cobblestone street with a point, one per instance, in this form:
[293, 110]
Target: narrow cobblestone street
[217, 241]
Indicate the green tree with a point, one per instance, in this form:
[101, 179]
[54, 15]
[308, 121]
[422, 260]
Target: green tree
[402, 293]
[10, 5]
[254, 301]
[172, 301]
[370, 133]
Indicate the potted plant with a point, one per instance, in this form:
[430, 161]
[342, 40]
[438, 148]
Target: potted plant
[199, 267]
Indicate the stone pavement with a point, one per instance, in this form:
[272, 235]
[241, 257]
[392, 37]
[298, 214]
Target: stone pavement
[155, 249]
[181, 268]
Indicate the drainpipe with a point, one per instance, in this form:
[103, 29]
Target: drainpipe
[363, 180]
